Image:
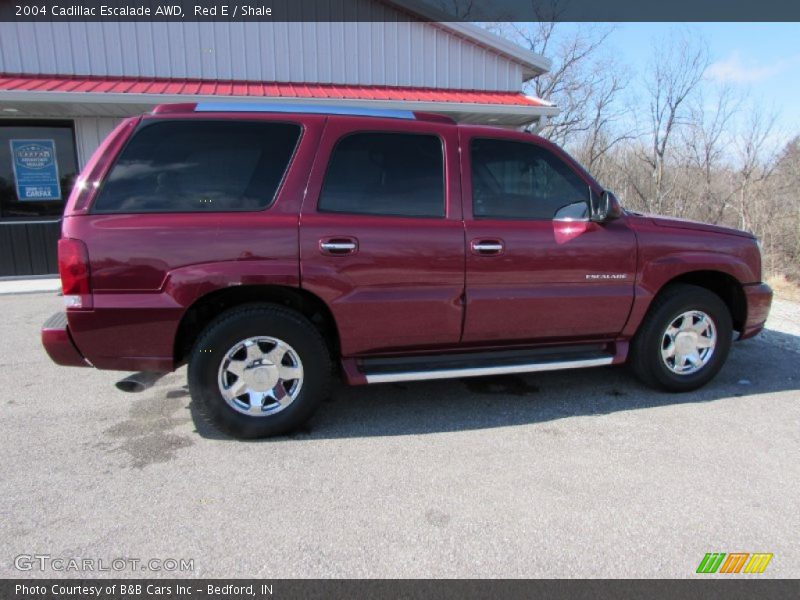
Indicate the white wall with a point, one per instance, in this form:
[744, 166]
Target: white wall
[393, 52]
[89, 133]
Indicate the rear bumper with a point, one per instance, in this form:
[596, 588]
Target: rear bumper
[759, 299]
[58, 342]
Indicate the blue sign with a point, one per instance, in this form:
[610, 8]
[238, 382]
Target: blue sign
[35, 169]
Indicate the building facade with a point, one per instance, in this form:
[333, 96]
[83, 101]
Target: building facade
[65, 85]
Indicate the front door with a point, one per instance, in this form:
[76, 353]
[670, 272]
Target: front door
[381, 235]
[537, 268]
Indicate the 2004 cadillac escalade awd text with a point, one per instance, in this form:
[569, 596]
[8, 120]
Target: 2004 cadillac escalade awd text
[270, 250]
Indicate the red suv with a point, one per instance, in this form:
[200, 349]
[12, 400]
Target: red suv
[270, 248]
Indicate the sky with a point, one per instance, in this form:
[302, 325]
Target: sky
[761, 59]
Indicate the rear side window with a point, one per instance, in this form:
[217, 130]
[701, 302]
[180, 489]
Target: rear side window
[199, 166]
[393, 174]
[515, 180]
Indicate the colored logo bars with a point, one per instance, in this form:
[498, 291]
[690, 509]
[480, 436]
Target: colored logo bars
[736, 562]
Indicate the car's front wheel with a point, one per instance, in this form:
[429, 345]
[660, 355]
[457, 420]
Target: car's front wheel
[684, 339]
[259, 370]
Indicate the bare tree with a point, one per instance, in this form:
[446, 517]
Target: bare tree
[706, 141]
[606, 117]
[574, 76]
[756, 163]
[676, 71]
[786, 243]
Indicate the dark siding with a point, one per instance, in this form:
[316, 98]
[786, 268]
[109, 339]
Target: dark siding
[28, 249]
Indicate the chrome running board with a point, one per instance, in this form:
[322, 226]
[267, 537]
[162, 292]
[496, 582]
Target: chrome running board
[483, 371]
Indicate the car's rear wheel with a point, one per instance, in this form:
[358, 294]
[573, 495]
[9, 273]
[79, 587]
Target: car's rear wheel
[684, 339]
[259, 370]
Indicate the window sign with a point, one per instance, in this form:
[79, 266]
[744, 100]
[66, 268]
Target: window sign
[35, 170]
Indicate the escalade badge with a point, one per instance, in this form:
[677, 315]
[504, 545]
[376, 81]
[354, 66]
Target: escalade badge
[606, 276]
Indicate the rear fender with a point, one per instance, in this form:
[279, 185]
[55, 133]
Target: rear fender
[187, 284]
[136, 331]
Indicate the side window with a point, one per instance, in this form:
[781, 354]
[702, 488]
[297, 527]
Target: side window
[515, 180]
[395, 174]
[199, 166]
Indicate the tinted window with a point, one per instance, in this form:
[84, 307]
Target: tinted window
[515, 180]
[199, 166]
[385, 174]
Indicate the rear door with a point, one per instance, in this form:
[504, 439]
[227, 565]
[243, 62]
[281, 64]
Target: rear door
[381, 234]
[537, 268]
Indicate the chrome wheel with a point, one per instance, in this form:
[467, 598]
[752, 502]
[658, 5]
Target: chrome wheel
[688, 343]
[260, 376]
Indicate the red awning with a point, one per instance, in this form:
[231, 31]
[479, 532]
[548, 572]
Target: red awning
[192, 87]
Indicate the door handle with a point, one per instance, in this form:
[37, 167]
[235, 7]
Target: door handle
[491, 247]
[338, 246]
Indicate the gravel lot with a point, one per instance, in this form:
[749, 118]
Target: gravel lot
[573, 474]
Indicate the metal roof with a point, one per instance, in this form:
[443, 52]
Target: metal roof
[72, 96]
[54, 84]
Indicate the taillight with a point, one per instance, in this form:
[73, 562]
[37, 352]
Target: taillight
[73, 267]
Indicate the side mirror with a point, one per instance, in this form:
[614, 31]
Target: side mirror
[605, 207]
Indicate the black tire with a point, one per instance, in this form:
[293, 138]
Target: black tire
[239, 324]
[645, 357]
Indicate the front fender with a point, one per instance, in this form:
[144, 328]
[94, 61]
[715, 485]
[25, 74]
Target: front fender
[656, 273]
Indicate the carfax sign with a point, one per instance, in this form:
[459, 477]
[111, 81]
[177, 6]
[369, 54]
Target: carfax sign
[35, 169]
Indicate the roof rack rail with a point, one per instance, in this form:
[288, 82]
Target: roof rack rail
[164, 109]
[303, 108]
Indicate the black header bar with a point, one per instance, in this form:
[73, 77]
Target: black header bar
[383, 10]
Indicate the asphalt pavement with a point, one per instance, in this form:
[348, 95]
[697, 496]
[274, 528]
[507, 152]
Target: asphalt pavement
[572, 474]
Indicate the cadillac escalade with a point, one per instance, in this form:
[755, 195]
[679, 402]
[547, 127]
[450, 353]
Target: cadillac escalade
[273, 248]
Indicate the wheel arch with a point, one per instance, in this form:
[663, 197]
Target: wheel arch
[724, 285]
[206, 308]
